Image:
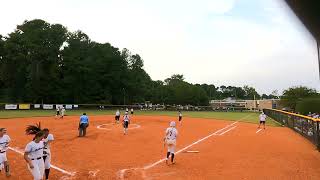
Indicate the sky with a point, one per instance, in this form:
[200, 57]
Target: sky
[259, 43]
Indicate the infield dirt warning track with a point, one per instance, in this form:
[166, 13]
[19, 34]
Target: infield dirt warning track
[226, 150]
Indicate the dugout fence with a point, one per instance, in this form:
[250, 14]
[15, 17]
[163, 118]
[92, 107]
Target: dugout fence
[304, 125]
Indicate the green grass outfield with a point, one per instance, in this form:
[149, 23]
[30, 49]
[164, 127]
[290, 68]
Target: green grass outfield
[250, 117]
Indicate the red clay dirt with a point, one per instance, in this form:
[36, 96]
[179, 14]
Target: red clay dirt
[241, 153]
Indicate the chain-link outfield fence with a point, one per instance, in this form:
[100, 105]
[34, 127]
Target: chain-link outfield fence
[25, 106]
[304, 125]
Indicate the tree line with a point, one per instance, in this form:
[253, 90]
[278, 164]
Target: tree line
[45, 63]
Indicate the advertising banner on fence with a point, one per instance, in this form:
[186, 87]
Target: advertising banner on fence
[36, 106]
[24, 106]
[59, 106]
[11, 106]
[75, 106]
[47, 106]
[68, 106]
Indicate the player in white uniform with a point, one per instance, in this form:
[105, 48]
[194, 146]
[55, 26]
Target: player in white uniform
[262, 118]
[48, 138]
[34, 152]
[117, 117]
[63, 110]
[126, 122]
[4, 144]
[170, 139]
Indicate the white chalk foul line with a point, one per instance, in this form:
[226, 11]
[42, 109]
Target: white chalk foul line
[53, 166]
[218, 132]
[259, 130]
[136, 126]
[123, 171]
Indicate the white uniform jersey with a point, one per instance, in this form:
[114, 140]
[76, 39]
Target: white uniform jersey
[34, 149]
[171, 133]
[118, 113]
[131, 110]
[63, 111]
[180, 114]
[263, 117]
[4, 143]
[46, 144]
[126, 118]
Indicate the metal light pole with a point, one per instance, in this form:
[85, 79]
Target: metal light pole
[124, 96]
[318, 50]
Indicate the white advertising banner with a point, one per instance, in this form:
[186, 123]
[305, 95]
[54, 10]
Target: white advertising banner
[11, 106]
[47, 106]
[36, 106]
[75, 106]
[59, 106]
[68, 106]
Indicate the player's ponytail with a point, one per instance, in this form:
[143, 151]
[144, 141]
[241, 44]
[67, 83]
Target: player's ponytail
[34, 130]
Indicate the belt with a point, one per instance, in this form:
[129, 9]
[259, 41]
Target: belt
[2, 151]
[36, 158]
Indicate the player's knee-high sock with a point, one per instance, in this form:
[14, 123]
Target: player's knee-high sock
[7, 169]
[168, 154]
[172, 157]
[47, 172]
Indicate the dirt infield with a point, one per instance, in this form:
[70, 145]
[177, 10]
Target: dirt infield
[227, 150]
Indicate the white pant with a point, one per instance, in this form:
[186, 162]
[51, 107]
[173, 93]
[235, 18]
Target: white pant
[171, 145]
[47, 162]
[3, 158]
[38, 169]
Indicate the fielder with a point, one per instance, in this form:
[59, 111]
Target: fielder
[180, 117]
[126, 122]
[262, 118]
[48, 138]
[131, 111]
[83, 125]
[4, 144]
[58, 112]
[170, 139]
[34, 152]
[62, 112]
[117, 117]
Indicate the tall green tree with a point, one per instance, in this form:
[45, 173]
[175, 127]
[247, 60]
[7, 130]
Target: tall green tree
[293, 95]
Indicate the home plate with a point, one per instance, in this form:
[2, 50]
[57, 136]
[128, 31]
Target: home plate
[191, 151]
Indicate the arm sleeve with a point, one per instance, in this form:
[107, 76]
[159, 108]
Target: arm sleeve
[50, 137]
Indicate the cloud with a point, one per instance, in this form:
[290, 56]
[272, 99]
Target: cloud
[209, 41]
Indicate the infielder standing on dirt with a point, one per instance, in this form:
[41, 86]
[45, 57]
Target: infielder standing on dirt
[4, 144]
[63, 110]
[170, 140]
[117, 117]
[83, 124]
[126, 122]
[48, 138]
[34, 152]
[180, 117]
[262, 118]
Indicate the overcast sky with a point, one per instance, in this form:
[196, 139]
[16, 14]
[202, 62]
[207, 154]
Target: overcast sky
[258, 43]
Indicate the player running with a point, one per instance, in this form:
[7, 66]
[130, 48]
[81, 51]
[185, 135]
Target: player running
[58, 112]
[34, 152]
[83, 125]
[62, 112]
[262, 118]
[117, 117]
[48, 138]
[4, 144]
[126, 122]
[180, 117]
[170, 139]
